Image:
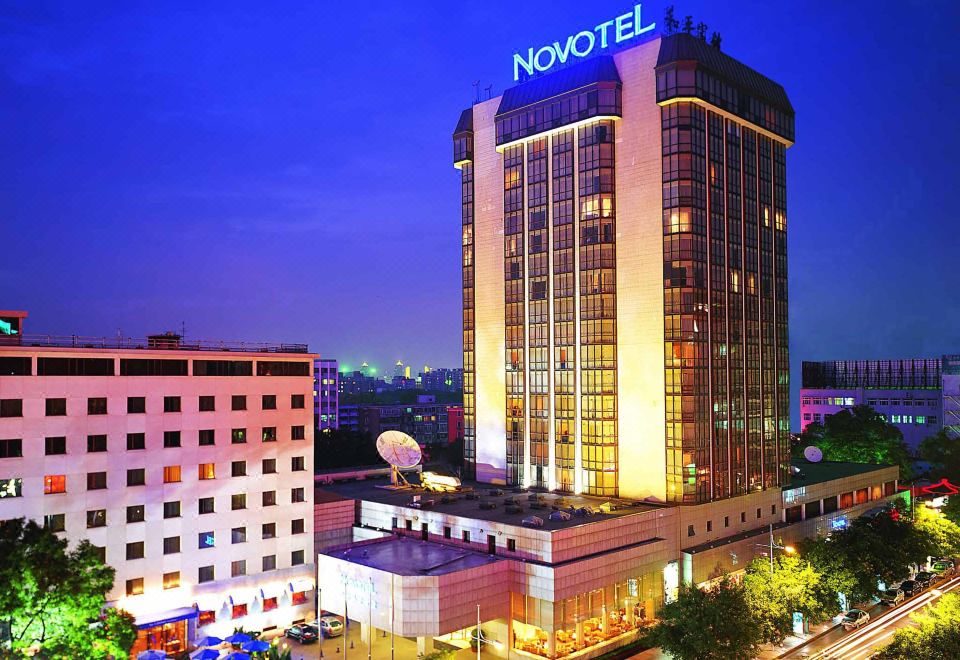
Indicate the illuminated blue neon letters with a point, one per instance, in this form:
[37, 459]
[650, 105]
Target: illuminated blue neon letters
[581, 44]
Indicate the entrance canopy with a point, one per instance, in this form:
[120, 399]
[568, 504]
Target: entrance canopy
[161, 618]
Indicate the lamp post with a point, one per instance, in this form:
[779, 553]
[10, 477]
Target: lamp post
[789, 549]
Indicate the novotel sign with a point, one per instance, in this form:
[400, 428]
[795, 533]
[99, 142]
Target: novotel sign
[582, 44]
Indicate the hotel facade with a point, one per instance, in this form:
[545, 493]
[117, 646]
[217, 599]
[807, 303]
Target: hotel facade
[189, 465]
[625, 277]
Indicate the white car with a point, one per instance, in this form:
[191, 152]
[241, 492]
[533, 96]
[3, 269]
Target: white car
[330, 626]
[854, 619]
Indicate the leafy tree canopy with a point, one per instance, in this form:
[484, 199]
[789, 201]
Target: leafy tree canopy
[708, 625]
[935, 637]
[943, 452]
[859, 435]
[793, 586]
[56, 596]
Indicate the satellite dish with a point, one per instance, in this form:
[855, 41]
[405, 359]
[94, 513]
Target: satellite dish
[400, 451]
[813, 454]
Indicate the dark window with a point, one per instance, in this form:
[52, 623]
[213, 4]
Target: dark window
[238, 436]
[491, 544]
[15, 366]
[296, 558]
[793, 513]
[238, 402]
[296, 495]
[296, 526]
[238, 535]
[136, 441]
[206, 540]
[268, 402]
[56, 407]
[238, 568]
[773, 509]
[205, 505]
[97, 518]
[171, 509]
[49, 366]
[283, 368]
[811, 509]
[171, 404]
[409, 525]
[709, 525]
[135, 550]
[297, 433]
[511, 545]
[136, 404]
[238, 501]
[171, 439]
[101, 552]
[207, 403]
[268, 530]
[55, 445]
[269, 498]
[297, 401]
[466, 536]
[269, 434]
[222, 368]
[12, 448]
[238, 469]
[139, 367]
[759, 513]
[135, 586]
[830, 504]
[297, 464]
[690, 531]
[446, 531]
[96, 443]
[269, 562]
[206, 437]
[135, 513]
[743, 516]
[96, 480]
[55, 522]
[136, 477]
[205, 574]
[97, 406]
[269, 466]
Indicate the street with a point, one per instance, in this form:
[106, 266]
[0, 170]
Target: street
[861, 644]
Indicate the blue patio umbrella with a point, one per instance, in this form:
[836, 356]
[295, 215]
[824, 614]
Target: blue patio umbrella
[256, 646]
[205, 654]
[152, 654]
[237, 655]
[238, 638]
[210, 640]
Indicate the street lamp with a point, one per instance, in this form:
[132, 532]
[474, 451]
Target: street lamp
[789, 549]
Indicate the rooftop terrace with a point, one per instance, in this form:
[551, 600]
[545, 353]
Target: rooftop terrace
[815, 473]
[156, 342]
[403, 556]
[509, 506]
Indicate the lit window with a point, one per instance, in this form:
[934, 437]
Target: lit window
[171, 474]
[171, 580]
[207, 471]
[54, 483]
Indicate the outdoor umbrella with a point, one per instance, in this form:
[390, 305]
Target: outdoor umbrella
[256, 646]
[152, 654]
[238, 638]
[205, 654]
[237, 655]
[210, 640]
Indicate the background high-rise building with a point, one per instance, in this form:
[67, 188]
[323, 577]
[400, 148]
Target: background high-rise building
[625, 277]
[326, 393]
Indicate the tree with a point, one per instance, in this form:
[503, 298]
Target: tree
[837, 576]
[793, 586]
[943, 451]
[715, 40]
[688, 24]
[702, 30]
[670, 23]
[337, 448]
[940, 536]
[55, 598]
[859, 435]
[936, 635]
[951, 510]
[715, 624]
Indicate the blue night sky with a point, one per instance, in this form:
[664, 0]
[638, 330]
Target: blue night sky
[283, 171]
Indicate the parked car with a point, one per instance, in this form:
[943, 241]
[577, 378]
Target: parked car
[302, 633]
[854, 619]
[892, 596]
[924, 579]
[943, 567]
[910, 588]
[330, 626]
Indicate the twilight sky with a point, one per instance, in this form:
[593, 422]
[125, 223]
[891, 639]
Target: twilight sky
[283, 171]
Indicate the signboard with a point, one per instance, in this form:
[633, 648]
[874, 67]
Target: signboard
[580, 45]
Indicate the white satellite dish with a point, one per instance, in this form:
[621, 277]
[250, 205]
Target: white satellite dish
[813, 454]
[400, 451]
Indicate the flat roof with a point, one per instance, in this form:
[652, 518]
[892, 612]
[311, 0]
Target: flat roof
[457, 504]
[403, 556]
[816, 473]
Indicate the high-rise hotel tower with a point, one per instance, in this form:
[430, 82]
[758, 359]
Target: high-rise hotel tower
[625, 277]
